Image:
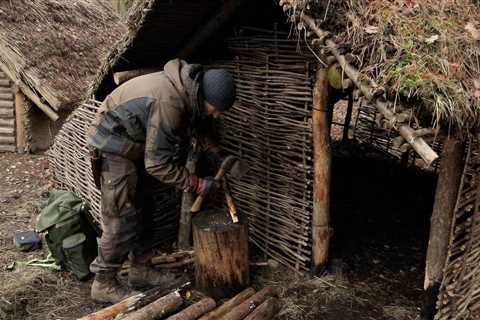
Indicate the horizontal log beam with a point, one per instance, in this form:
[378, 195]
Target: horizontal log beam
[6, 113]
[7, 140]
[6, 104]
[6, 96]
[7, 122]
[418, 144]
[123, 76]
[8, 148]
[7, 130]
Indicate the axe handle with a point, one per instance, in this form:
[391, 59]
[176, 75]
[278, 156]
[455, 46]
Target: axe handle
[197, 205]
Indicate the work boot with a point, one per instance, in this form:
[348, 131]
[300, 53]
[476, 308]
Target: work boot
[143, 276]
[107, 289]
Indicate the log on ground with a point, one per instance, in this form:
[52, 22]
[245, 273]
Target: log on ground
[196, 310]
[246, 307]
[265, 311]
[160, 308]
[219, 312]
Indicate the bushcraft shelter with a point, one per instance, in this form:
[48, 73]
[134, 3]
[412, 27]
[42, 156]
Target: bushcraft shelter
[409, 71]
[49, 53]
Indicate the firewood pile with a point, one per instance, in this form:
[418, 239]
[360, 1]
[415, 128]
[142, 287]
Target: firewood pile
[175, 305]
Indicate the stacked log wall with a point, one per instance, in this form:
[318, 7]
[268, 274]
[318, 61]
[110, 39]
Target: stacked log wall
[7, 115]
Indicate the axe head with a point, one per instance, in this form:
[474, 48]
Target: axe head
[234, 166]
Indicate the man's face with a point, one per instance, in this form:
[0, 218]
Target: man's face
[210, 110]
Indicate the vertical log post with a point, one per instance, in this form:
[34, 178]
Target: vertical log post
[348, 117]
[20, 114]
[449, 177]
[221, 253]
[322, 172]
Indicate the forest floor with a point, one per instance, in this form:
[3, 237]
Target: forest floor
[376, 270]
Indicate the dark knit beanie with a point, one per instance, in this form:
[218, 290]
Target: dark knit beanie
[218, 88]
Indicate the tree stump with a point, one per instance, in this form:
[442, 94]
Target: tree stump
[221, 253]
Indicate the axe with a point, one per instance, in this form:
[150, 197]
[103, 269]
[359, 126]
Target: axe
[235, 167]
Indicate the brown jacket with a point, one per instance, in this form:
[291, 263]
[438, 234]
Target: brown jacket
[147, 117]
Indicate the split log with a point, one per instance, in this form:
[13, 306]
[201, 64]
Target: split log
[322, 172]
[265, 311]
[449, 178]
[196, 310]
[132, 303]
[221, 253]
[418, 144]
[160, 308]
[246, 307]
[114, 310]
[123, 76]
[219, 312]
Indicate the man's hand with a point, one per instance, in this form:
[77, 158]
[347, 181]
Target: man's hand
[204, 186]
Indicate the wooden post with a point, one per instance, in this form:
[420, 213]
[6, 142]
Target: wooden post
[20, 114]
[348, 117]
[322, 172]
[221, 254]
[449, 177]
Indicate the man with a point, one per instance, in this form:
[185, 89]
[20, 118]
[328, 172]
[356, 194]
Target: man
[144, 121]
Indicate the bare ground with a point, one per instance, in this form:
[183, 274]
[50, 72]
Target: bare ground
[376, 272]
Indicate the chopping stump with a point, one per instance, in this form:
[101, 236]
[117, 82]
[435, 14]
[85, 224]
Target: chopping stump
[221, 253]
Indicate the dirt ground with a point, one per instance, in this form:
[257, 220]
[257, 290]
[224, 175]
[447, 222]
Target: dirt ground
[377, 250]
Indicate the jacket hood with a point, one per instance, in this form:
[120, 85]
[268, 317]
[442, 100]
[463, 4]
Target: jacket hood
[186, 79]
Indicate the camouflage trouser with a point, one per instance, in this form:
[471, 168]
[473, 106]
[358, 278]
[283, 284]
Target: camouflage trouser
[121, 214]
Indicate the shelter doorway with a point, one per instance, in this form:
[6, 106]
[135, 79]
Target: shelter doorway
[380, 215]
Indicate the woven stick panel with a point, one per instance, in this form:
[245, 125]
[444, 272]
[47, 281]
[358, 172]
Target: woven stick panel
[367, 131]
[460, 291]
[270, 128]
[70, 163]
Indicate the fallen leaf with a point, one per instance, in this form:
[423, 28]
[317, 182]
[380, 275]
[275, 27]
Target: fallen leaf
[371, 29]
[474, 32]
[432, 39]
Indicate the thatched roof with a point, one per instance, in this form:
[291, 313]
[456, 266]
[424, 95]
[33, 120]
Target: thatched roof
[425, 52]
[158, 30]
[53, 48]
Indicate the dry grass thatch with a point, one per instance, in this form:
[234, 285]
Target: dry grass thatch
[423, 51]
[54, 47]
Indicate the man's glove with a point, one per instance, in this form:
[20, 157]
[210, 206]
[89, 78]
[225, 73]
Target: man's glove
[204, 186]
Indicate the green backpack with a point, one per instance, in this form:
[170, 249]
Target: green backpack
[69, 235]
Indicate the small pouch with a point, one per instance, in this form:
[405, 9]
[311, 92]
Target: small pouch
[27, 240]
[76, 254]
